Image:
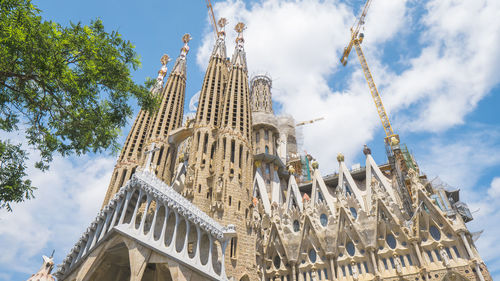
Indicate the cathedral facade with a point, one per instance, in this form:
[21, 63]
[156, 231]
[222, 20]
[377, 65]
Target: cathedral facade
[226, 196]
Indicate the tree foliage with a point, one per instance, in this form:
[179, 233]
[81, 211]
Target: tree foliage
[64, 87]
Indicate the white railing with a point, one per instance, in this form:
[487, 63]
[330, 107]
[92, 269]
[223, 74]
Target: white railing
[149, 211]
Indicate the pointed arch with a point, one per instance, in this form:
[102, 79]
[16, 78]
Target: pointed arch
[346, 183]
[260, 190]
[293, 194]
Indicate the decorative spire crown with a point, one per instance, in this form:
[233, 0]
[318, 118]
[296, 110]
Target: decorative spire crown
[185, 49]
[161, 74]
[239, 57]
[163, 70]
[220, 46]
[222, 24]
[239, 39]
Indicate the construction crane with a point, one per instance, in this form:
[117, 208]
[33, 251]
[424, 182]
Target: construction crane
[399, 157]
[308, 121]
[356, 40]
[212, 18]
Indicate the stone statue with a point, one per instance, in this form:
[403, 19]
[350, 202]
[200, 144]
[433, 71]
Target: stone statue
[255, 218]
[189, 176]
[399, 267]
[366, 150]
[219, 189]
[444, 256]
[355, 273]
[44, 273]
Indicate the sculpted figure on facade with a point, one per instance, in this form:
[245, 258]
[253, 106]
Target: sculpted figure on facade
[444, 256]
[355, 272]
[397, 262]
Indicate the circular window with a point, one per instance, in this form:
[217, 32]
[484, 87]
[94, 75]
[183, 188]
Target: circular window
[350, 249]
[312, 255]
[323, 219]
[354, 213]
[296, 226]
[277, 261]
[391, 241]
[435, 233]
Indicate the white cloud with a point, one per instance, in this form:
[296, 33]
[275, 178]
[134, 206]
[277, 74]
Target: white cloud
[494, 190]
[457, 67]
[463, 159]
[69, 196]
[299, 43]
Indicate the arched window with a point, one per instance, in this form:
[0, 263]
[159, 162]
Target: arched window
[435, 233]
[277, 261]
[323, 219]
[296, 226]
[391, 241]
[351, 250]
[233, 246]
[267, 149]
[354, 213]
[312, 255]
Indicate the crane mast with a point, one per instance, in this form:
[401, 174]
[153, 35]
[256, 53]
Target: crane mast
[399, 158]
[389, 132]
[212, 17]
[356, 40]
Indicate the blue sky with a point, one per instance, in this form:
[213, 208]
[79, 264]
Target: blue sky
[435, 62]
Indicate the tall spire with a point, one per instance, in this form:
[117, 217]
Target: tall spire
[203, 146]
[234, 162]
[132, 150]
[169, 116]
[239, 56]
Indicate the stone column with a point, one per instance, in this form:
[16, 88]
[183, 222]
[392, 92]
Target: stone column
[332, 267]
[294, 272]
[374, 262]
[467, 246]
[138, 256]
[419, 254]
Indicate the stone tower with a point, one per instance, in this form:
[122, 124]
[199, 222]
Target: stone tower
[149, 128]
[261, 94]
[200, 171]
[265, 135]
[234, 164]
